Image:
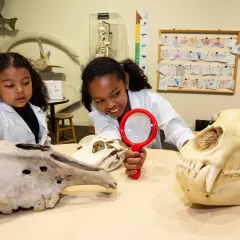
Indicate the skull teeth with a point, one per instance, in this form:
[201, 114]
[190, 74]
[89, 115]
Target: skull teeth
[231, 172]
[186, 166]
[211, 177]
[192, 166]
[198, 166]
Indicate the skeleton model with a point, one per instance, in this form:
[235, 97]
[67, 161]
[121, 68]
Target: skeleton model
[103, 45]
[208, 168]
[35, 175]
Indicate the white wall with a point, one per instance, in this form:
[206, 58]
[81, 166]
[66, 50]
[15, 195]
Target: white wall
[69, 21]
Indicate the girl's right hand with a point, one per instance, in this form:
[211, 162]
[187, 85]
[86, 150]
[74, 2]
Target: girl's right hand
[134, 160]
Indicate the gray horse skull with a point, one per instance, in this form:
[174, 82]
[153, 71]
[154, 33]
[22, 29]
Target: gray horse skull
[33, 176]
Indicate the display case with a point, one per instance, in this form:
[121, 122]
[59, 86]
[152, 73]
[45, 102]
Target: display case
[106, 35]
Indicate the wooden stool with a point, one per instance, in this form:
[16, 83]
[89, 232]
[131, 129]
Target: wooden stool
[61, 128]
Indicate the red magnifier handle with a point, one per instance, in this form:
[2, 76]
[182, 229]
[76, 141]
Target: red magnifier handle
[137, 174]
[136, 148]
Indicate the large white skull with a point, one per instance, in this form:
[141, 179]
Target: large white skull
[208, 167]
[100, 152]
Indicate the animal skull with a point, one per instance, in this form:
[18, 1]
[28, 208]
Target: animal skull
[101, 152]
[208, 166]
[43, 62]
[35, 175]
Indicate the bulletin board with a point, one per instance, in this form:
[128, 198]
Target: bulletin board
[198, 61]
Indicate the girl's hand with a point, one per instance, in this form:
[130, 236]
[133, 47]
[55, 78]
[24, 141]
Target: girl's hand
[134, 160]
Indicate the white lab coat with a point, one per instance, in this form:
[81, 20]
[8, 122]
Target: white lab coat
[175, 130]
[14, 128]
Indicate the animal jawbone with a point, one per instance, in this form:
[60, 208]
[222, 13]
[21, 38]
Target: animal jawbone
[192, 170]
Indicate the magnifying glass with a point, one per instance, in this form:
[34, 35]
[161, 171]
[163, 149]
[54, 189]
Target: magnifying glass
[138, 128]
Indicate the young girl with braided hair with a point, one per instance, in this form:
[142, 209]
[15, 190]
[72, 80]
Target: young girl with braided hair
[111, 88]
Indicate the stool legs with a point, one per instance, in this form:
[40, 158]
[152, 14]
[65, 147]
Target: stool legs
[62, 128]
[73, 130]
[57, 131]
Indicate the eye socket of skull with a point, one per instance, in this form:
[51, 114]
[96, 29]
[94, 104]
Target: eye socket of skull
[208, 138]
[98, 146]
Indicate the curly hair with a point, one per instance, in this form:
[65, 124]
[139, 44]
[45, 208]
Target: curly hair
[39, 91]
[102, 66]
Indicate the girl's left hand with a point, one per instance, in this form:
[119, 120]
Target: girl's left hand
[134, 160]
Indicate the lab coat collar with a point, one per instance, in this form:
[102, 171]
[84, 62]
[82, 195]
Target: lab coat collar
[8, 108]
[18, 120]
[133, 100]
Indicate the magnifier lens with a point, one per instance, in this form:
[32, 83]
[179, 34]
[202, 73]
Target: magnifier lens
[138, 128]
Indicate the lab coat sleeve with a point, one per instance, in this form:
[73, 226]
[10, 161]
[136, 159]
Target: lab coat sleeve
[180, 134]
[48, 141]
[1, 127]
[175, 129]
[104, 126]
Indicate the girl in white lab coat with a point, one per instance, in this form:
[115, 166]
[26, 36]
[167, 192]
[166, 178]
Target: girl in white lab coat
[23, 100]
[111, 88]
